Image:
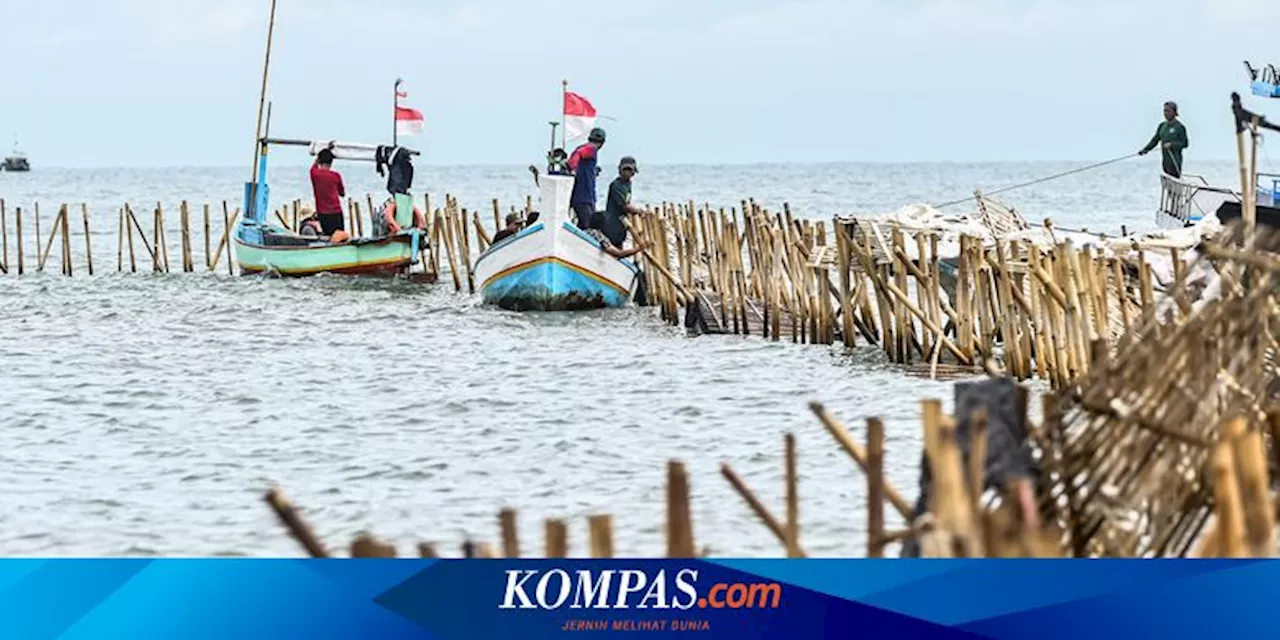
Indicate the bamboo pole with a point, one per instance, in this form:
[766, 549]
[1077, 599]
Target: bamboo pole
[302, 532]
[207, 256]
[38, 235]
[185, 214]
[1226, 490]
[228, 224]
[600, 531]
[793, 499]
[88, 240]
[4, 235]
[875, 488]
[449, 248]
[679, 519]
[497, 221]
[18, 223]
[510, 539]
[557, 539]
[66, 242]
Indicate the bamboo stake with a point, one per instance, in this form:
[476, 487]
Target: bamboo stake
[207, 256]
[288, 515]
[185, 215]
[228, 224]
[4, 235]
[1259, 513]
[66, 242]
[449, 249]
[38, 236]
[510, 540]
[1226, 490]
[557, 539]
[875, 488]
[600, 531]
[679, 519]
[18, 222]
[793, 499]
[88, 241]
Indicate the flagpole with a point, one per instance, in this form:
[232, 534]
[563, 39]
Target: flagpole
[564, 126]
[395, 111]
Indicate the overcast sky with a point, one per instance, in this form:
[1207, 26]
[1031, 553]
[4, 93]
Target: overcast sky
[175, 82]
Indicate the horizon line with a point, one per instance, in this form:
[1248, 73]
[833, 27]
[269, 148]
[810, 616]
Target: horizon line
[750, 163]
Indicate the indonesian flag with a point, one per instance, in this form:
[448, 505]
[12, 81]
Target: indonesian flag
[579, 117]
[409, 122]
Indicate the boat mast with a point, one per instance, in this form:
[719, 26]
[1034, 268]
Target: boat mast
[395, 114]
[262, 98]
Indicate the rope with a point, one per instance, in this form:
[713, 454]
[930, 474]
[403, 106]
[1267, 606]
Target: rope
[1038, 180]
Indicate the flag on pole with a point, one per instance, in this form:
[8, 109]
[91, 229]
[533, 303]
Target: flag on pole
[579, 117]
[409, 122]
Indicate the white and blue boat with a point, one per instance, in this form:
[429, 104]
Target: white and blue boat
[1264, 82]
[552, 265]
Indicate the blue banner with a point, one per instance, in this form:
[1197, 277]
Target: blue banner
[791, 599]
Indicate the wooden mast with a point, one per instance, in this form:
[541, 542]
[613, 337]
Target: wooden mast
[262, 98]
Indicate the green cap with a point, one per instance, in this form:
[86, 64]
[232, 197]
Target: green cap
[597, 135]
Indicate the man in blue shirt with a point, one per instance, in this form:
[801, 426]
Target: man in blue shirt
[585, 166]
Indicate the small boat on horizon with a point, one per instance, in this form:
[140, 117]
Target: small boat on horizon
[16, 161]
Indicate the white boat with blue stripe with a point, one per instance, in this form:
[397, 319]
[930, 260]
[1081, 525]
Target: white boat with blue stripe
[552, 265]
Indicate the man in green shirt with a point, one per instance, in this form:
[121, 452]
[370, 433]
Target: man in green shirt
[1171, 136]
[619, 203]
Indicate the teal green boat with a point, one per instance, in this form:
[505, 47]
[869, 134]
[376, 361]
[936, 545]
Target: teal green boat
[261, 246]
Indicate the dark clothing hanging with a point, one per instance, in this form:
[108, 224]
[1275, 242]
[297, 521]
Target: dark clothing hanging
[398, 167]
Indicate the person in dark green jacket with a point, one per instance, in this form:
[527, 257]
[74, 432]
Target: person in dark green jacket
[1171, 137]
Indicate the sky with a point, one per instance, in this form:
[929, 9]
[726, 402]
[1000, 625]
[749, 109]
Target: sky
[175, 82]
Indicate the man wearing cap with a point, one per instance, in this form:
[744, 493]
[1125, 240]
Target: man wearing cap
[619, 204]
[1171, 136]
[584, 165]
[512, 228]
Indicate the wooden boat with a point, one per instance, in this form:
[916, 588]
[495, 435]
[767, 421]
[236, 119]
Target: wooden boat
[265, 247]
[553, 265]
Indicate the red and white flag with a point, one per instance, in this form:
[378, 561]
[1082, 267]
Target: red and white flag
[579, 117]
[409, 122]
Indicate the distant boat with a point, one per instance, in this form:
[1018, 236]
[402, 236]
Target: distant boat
[553, 265]
[17, 161]
[1264, 82]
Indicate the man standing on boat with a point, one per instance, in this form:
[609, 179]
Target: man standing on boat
[329, 192]
[584, 164]
[1171, 136]
[618, 206]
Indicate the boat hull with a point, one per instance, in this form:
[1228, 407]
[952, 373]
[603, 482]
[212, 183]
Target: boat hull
[554, 268]
[387, 257]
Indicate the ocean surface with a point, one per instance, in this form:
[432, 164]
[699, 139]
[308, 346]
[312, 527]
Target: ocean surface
[145, 414]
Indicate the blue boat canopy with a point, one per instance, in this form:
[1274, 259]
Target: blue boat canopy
[1265, 82]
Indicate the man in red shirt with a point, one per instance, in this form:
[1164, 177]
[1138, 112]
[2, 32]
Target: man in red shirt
[329, 192]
